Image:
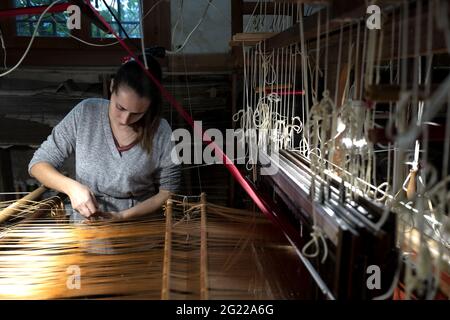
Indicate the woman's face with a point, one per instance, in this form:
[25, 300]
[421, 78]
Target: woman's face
[127, 107]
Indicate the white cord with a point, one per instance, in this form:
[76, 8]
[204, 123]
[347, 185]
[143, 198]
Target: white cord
[219, 11]
[92, 44]
[4, 48]
[193, 30]
[141, 25]
[251, 17]
[31, 41]
[180, 15]
[316, 234]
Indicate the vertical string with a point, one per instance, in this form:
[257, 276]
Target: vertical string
[294, 89]
[278, 72]
[305, 82]
[327, 28]
[336, 92]
[349, 62]
[338, 65]
[358, 30]
[363, 64]
[317, 59]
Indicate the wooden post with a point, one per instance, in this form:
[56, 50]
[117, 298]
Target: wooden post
[14, 208]
[237, 26]
[165, 291]
[157, 24]
[203, 250]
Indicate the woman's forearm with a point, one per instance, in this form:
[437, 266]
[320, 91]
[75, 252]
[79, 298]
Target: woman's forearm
[46, 174]
[148, 206]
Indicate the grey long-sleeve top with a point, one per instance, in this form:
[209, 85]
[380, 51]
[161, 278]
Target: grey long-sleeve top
[119, 181]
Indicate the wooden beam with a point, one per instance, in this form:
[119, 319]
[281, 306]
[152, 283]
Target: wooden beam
[250, 38]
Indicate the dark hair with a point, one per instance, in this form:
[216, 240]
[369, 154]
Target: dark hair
[131, 75]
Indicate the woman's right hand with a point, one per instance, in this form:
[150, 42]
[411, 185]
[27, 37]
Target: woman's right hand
[82, 199]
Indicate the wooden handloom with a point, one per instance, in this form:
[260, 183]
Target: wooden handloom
[195, 250]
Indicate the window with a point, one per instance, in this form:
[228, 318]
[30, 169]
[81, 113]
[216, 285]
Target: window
[54, 34]
[52, 25]
[127, 11]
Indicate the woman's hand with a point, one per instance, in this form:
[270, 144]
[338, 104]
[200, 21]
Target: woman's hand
[82, 199]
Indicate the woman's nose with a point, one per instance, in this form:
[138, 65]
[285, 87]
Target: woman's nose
[126, 118]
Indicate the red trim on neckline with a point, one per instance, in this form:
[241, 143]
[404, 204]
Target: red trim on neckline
[124, 148]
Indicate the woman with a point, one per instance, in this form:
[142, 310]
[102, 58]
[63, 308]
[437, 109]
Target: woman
[122, 150]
